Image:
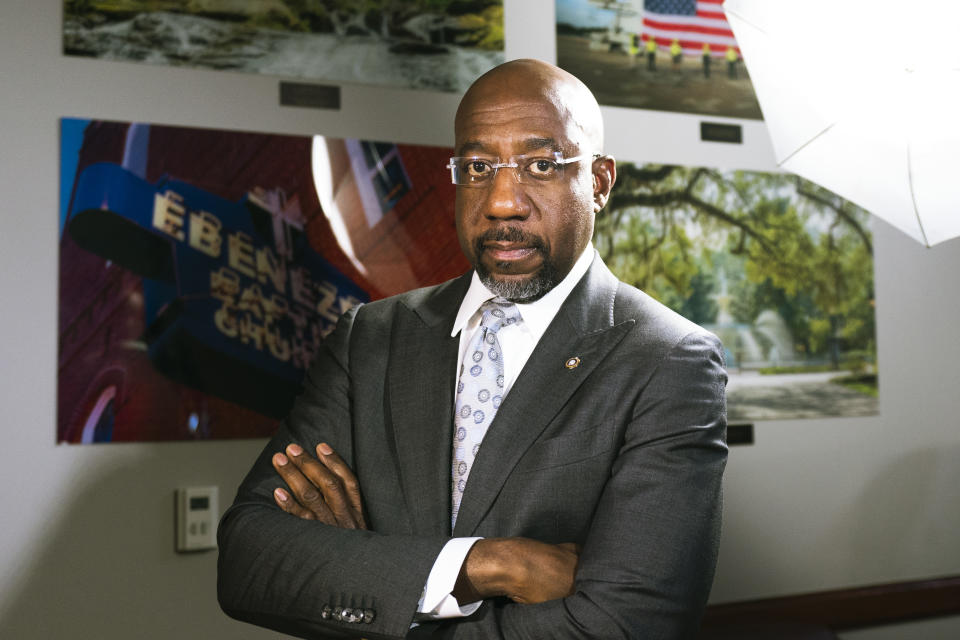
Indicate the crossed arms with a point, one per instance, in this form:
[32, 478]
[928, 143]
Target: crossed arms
[525, 571]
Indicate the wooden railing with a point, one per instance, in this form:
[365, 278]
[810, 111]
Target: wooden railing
[854, 608]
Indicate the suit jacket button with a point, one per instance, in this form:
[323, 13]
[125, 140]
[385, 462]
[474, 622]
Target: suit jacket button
[336, 613]
[368, 616]
[325, 612]
[352, 615]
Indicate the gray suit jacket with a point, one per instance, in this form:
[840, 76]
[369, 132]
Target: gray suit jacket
[623, 454]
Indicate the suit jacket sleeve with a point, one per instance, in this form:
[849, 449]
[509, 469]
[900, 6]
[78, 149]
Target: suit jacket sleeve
[282, 572]
[649, 552]
[648, 561]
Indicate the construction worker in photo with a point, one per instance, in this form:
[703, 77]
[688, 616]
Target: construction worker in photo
[732, 58]
[634, 50]
[651, 54]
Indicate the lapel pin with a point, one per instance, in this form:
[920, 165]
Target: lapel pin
[572, 363]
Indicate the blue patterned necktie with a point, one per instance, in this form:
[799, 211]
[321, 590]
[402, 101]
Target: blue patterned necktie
[479, 392]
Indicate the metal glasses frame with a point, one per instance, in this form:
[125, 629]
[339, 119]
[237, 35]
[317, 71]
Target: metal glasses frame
[513, 162]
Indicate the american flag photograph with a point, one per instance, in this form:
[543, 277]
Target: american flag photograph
[665, 55]
[691, 23]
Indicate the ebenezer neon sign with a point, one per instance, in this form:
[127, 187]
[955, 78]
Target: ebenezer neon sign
[247, 313]
[236, 300]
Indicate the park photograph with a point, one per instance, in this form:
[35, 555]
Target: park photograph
[412, 44]
[780, 269]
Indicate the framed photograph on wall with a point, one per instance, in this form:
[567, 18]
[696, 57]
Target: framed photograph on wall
[201, 268]
[776, 266]
[664, 55]
[440, 45]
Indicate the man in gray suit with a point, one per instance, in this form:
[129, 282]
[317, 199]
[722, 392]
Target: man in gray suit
[592, 508]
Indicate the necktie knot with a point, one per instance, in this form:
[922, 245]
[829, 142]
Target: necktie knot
[498, 313]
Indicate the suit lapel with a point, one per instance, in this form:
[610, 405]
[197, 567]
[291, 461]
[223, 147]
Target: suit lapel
[420, 378]
[583, 329]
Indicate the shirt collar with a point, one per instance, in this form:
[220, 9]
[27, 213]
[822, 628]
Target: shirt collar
[536, 315]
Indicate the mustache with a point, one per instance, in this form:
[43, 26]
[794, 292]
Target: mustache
[509, 234]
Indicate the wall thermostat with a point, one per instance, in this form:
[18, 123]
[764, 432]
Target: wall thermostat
[197, 513]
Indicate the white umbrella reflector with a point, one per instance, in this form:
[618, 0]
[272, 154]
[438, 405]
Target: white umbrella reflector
[863, 98]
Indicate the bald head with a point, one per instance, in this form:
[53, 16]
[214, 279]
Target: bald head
[533, 81]
[533, 133]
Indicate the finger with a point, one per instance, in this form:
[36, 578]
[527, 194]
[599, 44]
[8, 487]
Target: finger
[329, 485]
[302, 489]
[286, 502]
[332, 461]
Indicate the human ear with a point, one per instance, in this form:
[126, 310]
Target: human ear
[604, 175]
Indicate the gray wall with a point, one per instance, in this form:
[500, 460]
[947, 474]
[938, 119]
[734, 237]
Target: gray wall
[86, 545]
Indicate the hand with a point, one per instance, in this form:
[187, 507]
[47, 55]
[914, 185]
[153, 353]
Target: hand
[322, 488]
[526, 571]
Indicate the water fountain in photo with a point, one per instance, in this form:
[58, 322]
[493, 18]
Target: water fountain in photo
[767, 342]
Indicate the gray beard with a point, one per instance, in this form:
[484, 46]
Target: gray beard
[528, 290]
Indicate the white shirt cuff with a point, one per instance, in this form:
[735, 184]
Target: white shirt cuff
[437, 601]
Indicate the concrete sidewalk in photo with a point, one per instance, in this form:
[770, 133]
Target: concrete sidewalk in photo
[752, 396]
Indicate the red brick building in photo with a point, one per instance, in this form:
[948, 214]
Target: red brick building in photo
[380, 214]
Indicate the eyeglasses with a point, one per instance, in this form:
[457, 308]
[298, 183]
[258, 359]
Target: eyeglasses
[474, 171]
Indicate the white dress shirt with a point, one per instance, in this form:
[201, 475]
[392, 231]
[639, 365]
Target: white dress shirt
[517, 342]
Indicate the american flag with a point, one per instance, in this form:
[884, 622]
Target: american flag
[692, 22]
